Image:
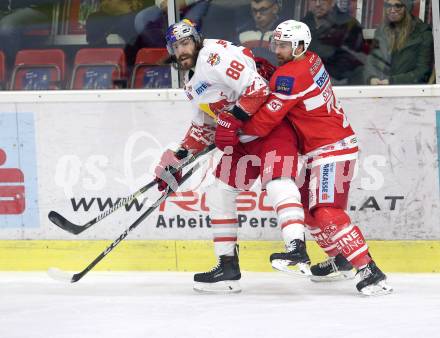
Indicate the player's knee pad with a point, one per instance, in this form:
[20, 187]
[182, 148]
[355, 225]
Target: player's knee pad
[285, 198]
[282, 189]
[220, 199]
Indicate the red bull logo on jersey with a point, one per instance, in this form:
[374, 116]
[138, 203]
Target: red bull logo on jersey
[213, 59]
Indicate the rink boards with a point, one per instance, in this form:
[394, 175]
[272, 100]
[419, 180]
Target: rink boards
[194, 255]
[78, 153]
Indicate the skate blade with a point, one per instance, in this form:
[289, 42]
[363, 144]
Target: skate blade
[222, 287]
[379, 289]
[301, 270]
[334, 277]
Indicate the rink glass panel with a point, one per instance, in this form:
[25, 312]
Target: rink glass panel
[72, 25]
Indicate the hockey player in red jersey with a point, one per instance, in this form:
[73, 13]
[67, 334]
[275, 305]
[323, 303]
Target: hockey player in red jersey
[302, 93]
[225, 89]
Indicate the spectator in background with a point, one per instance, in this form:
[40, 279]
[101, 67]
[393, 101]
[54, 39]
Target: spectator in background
[22, 17]
[403, 48]
[256, 34]
[151, 23]
[337, 38]
[116, 17]
[344, 6]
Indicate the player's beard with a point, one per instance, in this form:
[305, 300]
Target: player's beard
[283, 60]
[187, 61]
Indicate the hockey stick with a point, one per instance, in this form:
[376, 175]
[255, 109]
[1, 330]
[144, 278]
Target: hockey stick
[75, 229]
[72, 278]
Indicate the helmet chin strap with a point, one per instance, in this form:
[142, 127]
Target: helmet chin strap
[294, 49]
[299, 55]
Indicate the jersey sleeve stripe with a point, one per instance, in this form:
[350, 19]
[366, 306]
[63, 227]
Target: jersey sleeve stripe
[247, 138]
[332, 159]
[298, 95]
[314, 102]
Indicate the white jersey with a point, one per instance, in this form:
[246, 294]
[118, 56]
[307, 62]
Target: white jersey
[225, 77]
[222, 74]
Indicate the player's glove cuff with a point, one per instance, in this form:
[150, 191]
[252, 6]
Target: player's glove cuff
[240, 114]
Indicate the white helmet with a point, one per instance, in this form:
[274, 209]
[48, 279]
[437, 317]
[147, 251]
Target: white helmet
[294, 32]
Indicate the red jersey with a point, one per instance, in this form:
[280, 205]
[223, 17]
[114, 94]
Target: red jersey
[302, 92]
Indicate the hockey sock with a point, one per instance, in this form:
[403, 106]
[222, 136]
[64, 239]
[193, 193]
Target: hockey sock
[224, 223]
[335, 234]
[352, 245]
[285, 199]
[324, 241]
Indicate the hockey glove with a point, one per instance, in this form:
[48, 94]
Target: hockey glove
[164, 177]
[226, 133]
[265, 68]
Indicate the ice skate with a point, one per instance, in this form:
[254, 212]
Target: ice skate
[332, 270]
[223, 278]
[373, 281]
[294, 262]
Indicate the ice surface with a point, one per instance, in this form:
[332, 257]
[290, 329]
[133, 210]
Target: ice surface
[164, 305]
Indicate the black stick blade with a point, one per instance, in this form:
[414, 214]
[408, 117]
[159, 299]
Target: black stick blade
[64, 224]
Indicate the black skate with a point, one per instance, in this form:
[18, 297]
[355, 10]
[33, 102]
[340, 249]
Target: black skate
[294, 262]
[373, 281]
[332, 270]
[221, 279]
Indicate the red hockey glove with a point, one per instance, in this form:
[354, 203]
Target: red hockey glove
[265, 68]
[164, 177]
[226, 133]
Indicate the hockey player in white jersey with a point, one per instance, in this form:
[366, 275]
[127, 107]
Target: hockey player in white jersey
[225, 89]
